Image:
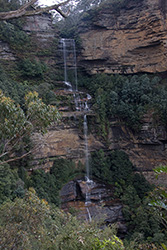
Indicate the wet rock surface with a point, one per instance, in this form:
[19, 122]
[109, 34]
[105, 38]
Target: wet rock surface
[94, 200]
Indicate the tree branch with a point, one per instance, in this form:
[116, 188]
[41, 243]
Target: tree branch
[22, 11]
[16, 158]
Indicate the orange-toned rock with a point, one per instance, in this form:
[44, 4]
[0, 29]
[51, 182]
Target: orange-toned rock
[131, 40]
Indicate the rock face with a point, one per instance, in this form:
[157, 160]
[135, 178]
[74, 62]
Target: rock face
[41, 28]
[5, 52]
[42, 34]
[93, 200]
[131, 40]
[65, 141]
[146, 149]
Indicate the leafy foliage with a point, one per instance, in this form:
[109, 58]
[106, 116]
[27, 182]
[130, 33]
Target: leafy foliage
[159, 198]
[161, 169]
[48, 185]
[132, 189]
[127, 99]
[113, 167]
[30, 223]
[15, 124]
[31, 68]
[12, 33]
[8, 183]
[13, 89]
[6, 5]
[38, 113]
[17, 90]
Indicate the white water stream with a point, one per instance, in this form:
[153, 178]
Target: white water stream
[70, 63]
[70, 66]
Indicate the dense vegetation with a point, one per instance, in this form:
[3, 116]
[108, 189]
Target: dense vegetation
[29, 213]
[34, 224]
[144, 223]
[48, 185]
[127, 99]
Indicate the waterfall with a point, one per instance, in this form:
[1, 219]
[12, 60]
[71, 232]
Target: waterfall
[81, 104]
[64, 58]
[70, 63]
[70, 73]
[89, 182]
[89, 215]
[86, 149]
[75, 67]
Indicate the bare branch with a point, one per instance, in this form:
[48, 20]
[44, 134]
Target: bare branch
[22, 11]
[5, 153]
[16, 158]
[12, 143]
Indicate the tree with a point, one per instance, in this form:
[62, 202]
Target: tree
[31, 223]
[23, 10]
[8, 182]
[16, 124]
[159, 197]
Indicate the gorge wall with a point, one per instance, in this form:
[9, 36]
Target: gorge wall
[128, 40]
[41, 32]
[146, 149]
[131, 40]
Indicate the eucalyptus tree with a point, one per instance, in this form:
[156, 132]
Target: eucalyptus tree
[17, 124]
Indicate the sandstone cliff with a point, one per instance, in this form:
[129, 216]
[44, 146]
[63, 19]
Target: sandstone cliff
[132, 39]
[42, 34]
[146, 149]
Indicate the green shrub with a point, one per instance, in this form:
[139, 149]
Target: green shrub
[48, 185]
[13, 89]
[8, 183]
[12, 33]
[112, 167]
[126, 98]
[6, 5]
[32, 68]
[132, 189]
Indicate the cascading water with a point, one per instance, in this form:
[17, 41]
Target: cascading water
[70, 63]
[75, 67]
[70, 66]
[89, 182]
[89, 215]
[86, 148]
[70, 72]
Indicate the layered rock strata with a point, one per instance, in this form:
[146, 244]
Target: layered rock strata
[42, 34]
[5, 52]
[40, 27]
[146, 149]
[128, 40]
